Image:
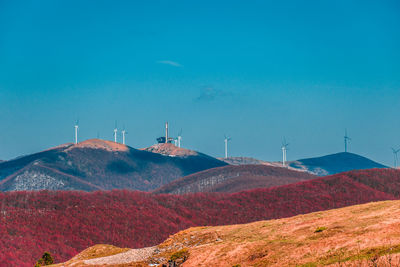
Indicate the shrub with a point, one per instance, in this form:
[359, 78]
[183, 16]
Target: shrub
[180, 255]
[319, 229]
[46, 259]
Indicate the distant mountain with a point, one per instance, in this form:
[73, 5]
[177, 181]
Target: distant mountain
[334, 163]
[100, 165]
[233, 178]
[321, 166]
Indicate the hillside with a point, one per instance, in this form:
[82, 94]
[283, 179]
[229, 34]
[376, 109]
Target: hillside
[361, 235]
[234, 179]
[243, 161]
[66, 222]
[334, 163]
[98, 165]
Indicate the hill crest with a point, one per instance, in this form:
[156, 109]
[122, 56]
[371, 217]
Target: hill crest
[332, 238]
[335, 163]
[234, 178]
[98, 165]
[100, 144]
[168, 149]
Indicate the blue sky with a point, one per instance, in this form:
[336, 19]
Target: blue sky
[254, 70]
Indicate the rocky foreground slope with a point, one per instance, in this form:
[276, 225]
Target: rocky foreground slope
[362, 235]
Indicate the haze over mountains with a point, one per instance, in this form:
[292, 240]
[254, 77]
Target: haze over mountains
[99, 165]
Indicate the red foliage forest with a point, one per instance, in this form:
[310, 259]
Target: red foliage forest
[66, 222]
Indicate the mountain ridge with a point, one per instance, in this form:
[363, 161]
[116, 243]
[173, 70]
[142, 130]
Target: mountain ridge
[97, 164]
[335, 163]
[320, 166]
[234, 178]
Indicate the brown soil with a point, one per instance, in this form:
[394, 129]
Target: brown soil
[100, 144]
[362, 235]
[170, 150]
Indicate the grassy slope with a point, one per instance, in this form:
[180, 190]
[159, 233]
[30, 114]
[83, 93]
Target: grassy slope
[351, 236]
[233, 178]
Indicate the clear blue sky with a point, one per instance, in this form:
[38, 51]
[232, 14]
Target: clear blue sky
[254, 70]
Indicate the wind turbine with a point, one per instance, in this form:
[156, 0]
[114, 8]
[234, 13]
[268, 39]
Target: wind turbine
[166, 132]
[76, 131]
[284, 149]
[395, 151]
[124, 132]
[226, 145]
[179, 138]
[115, 132]
[346, 139]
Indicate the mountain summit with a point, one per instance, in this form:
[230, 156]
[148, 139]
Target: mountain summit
[334, 163]
[99, 165]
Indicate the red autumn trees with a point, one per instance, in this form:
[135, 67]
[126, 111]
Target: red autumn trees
[66, 222]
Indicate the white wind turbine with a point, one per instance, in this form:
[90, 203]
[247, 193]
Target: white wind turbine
[179, 138]
[395, 151]
[346, 140]
[226, 145]
[76, 131]
[115, 132]
[284, 150]
[124, 132]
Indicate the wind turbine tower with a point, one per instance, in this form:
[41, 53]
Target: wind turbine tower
[284, 150]
[124, 132]
[115, 132]
[346, 140]
[179, 138]
[166, 132]
[395, 151]
[76, 131]
[226, 145]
